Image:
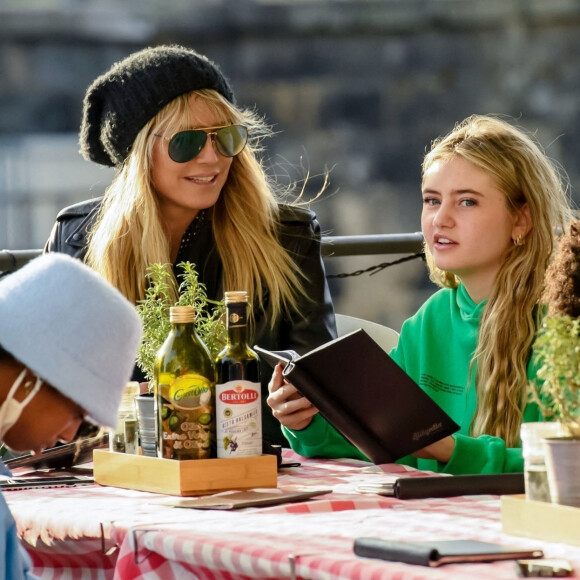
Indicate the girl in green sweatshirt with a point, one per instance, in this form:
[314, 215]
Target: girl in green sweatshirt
[492, 201]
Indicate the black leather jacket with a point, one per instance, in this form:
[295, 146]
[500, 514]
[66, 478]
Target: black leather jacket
[313, 325]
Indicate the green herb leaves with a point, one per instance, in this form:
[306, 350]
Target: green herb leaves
[160, 296]
[557, 390]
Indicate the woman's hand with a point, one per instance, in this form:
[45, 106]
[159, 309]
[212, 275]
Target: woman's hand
[440, 450]
[288, 405]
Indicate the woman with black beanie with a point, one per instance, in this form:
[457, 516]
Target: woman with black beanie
[190, 187]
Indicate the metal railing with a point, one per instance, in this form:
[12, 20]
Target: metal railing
[339, 246]
[332, 247]
[11, 260]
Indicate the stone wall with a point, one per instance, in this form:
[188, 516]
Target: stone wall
[356, 88]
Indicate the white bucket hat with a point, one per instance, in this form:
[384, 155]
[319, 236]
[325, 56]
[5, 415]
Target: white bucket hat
[74, 330]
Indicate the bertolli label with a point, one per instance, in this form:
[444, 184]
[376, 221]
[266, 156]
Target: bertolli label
[238, 419]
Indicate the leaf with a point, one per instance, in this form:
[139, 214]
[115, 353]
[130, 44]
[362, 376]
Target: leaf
[557, 388]
[154, 312]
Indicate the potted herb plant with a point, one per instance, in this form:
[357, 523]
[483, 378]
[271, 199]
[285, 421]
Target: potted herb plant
[558, 395]
[557, 390]
[160, 295]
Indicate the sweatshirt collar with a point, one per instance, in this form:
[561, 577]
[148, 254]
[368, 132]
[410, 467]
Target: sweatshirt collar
[468, 308]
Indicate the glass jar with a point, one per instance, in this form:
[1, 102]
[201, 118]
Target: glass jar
[535, 476]
[123, 439]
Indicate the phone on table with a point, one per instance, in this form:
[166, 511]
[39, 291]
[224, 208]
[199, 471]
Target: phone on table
[544, 568]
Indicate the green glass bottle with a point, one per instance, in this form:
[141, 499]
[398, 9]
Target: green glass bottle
[184, 381]
[238, 389]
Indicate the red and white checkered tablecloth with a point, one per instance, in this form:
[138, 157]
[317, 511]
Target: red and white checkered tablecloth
[95, 532]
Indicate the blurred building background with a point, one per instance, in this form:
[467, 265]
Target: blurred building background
[358, 88]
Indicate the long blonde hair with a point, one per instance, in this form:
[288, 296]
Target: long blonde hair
[128, 235]
[510, 318]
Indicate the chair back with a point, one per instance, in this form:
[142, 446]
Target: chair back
[384, 336]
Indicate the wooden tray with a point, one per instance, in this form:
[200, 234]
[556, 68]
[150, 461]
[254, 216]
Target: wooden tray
[540, 520]
[184, 478]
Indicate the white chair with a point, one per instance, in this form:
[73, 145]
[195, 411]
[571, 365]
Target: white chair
[386, 337]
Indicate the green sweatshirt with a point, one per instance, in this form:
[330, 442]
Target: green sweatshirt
[435, 348]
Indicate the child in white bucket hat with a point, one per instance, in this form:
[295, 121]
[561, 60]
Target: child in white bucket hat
[68, 341]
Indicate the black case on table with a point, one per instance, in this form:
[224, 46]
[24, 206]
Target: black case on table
[454, 485]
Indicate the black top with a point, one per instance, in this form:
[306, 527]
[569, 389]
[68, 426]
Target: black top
[313, 324]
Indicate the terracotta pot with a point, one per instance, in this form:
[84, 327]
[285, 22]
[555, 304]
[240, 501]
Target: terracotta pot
[563, 466]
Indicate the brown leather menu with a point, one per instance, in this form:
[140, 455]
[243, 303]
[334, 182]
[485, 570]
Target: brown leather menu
[366, 396]
[437, 553]
[244, 499]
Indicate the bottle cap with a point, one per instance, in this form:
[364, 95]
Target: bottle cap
[132, 389]
[182, 314]
[236, 296]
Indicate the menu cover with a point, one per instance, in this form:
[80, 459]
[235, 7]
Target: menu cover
[366, 396]
[249, 498]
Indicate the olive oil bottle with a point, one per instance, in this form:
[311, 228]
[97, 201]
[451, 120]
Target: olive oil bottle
[184, 379]
[238, 389]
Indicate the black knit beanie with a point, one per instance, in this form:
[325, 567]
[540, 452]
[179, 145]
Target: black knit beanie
[120, 102]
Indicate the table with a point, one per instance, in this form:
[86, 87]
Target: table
[95, 532]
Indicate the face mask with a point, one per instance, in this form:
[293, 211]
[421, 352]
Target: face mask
[11, 409]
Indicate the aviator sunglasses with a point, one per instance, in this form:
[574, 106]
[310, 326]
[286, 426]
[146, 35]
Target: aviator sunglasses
[186, 145]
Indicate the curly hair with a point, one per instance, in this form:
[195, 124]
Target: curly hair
[562, 291]
[5, 355]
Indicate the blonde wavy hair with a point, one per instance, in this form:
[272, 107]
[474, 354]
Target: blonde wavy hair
[508, 325]
[128, 234]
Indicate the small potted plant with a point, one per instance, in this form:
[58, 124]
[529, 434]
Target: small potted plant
[160, 295]
[557, 390]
